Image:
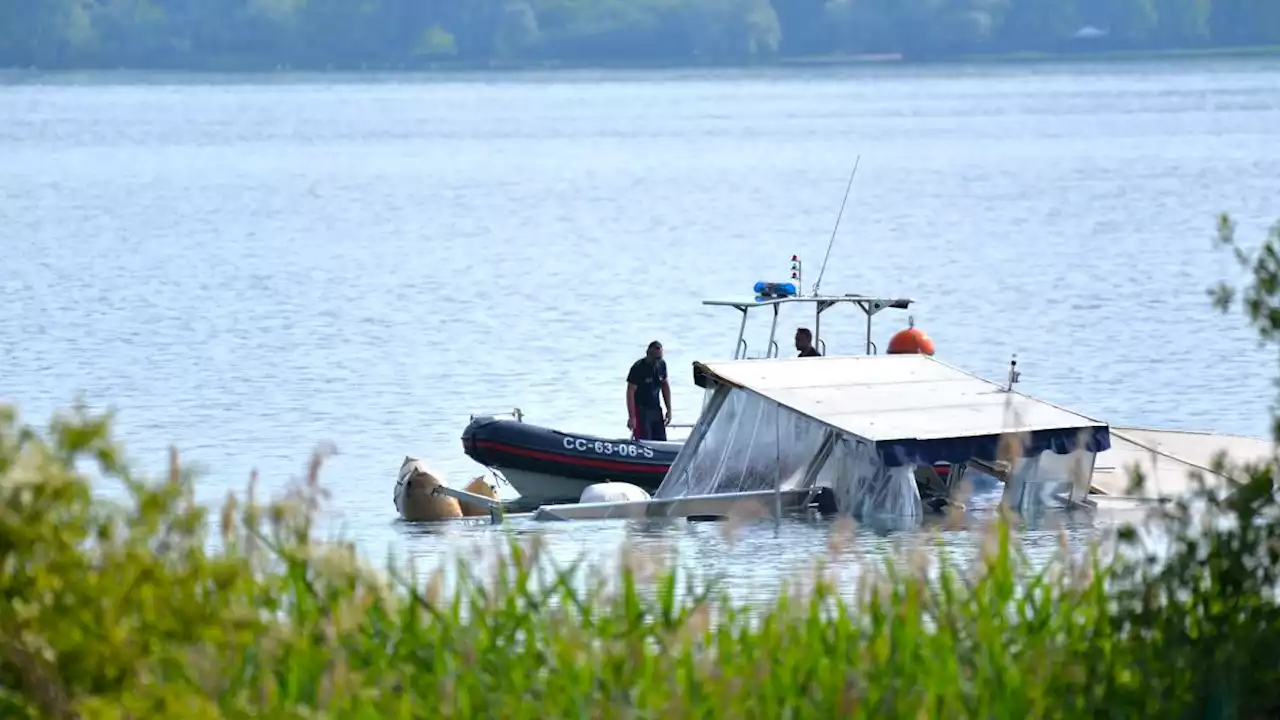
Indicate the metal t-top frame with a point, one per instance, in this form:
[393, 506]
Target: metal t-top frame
[868, 304]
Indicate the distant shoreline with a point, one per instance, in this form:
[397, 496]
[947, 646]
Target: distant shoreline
[812, 61]
[1247, 51]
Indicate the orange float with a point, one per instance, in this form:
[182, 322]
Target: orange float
[910, 341]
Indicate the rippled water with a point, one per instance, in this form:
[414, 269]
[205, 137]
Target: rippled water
[246, 267]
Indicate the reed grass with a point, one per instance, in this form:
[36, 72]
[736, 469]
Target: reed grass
[122, 610]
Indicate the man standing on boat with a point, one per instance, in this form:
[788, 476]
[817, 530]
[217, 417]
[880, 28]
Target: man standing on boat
[804, 343]
[648, 378]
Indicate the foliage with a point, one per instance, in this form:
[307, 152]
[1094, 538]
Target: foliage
[266, 34]
[1205, 608]
[114, 610]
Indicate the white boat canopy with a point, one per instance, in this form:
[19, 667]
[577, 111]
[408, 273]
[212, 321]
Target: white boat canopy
[861, 424]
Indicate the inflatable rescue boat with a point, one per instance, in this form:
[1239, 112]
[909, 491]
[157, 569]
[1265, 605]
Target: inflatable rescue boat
[548, 465]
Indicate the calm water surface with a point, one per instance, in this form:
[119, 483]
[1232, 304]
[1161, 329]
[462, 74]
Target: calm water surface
[246, 267]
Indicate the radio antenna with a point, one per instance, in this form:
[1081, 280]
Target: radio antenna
[823, 268]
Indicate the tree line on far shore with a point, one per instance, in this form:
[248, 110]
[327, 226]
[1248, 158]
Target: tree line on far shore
[350, 34]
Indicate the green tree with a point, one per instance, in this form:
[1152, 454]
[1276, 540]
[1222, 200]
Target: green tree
[517, 29]
[883, 26]
[263, 34]
[803, 26]
[586, 30]
[963, 25]
[856, 28]
[733, 30]
[1183, 22]
[44, 33]
[1129, 22]
[134, 31]
[1217, 650]
[435, 42]
[1242, 22]
[1039, 24]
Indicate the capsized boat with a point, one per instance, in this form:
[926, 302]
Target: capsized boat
[548, 465]
[860, 429]
[776, 435]
[894, 435]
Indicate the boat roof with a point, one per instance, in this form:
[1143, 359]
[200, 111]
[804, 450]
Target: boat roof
[850, 298]
[913, 407]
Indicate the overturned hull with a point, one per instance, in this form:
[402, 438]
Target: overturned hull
[545, 464]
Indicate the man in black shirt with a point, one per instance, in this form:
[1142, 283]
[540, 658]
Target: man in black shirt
[804, 343]
[647, 378]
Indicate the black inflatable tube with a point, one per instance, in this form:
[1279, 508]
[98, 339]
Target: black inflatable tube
[510, 444]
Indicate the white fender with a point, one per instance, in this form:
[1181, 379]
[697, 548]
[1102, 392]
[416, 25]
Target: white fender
[608, 492]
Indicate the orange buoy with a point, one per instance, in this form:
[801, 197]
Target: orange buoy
[911, 341]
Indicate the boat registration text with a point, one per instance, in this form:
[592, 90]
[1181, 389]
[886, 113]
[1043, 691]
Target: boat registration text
[604, 447]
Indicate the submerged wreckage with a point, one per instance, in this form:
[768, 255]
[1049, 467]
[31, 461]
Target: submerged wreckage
[862, 431]
[869, 435]
[860, 435]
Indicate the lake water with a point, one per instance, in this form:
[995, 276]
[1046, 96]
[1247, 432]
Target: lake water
[248, 266]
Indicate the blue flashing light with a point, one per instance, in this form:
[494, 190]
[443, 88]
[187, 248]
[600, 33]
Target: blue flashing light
[774, 290]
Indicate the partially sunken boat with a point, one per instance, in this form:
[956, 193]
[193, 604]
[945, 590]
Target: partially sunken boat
[864, 434]
[860, 429]
[547, 465]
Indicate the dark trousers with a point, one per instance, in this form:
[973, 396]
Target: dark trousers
[649, 424]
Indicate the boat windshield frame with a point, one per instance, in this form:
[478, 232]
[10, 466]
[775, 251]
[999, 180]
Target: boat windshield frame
[868, 304]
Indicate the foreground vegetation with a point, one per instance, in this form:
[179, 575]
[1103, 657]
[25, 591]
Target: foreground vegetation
[114, 611]
[265, 34]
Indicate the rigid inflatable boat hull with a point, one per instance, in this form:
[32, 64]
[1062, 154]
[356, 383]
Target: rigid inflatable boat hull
[541, 463]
